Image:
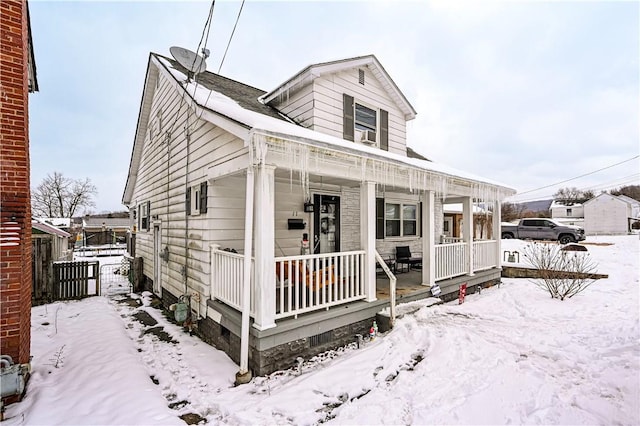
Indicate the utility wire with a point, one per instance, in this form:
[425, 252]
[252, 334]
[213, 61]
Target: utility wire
[578, 177]
[203, 37]
[231, 36]
[609, 185]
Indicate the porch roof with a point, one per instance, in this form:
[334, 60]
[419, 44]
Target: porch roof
[48, 229]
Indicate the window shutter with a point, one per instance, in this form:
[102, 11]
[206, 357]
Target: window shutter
[140, 217]
[203, 197]
[379, 218]
[187, 201]
[148, 215]
[420, 219]
[348, 119]
[384, 130]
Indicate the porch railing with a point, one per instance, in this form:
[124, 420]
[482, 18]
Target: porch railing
[451, 260]
[485, 255]
[450, 240]
[227, 277]
[311, 282]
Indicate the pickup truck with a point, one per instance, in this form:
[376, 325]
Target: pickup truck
[543, 229]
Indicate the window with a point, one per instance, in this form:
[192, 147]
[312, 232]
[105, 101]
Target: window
[366, 118]
[143, 216]
[569, 211]
[358, 118]
[196, 199]
[401, 220]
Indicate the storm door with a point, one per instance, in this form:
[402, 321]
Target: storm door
[326, 223]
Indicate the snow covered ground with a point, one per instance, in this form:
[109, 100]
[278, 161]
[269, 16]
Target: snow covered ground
[510, 355]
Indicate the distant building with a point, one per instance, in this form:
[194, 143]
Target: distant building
[610, 214]
[572, 214]
[97, 231]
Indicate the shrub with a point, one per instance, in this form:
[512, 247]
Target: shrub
[562, 273]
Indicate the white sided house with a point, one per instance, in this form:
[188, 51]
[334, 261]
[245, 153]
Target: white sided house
[226, 181]
[567, 214]
[610, 214]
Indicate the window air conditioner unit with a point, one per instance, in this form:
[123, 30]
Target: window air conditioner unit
[369, 137]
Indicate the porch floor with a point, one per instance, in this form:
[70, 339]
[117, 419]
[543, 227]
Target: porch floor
[406, 283]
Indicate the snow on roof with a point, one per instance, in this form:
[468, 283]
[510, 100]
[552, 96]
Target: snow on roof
[628, 199]
[457, 208]
[226, 106]
[555, 204]
[97, 222]
[60, 222]
[48, 229]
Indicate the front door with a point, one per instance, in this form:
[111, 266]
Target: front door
[157, 261]
[326, 223]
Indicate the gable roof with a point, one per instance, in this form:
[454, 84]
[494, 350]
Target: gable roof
[260, 121]
[605, 195]
[310, 73]
[628, 199]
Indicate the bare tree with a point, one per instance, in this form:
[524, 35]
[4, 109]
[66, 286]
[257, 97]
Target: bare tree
[511, 211]
[570, 196]
[562, 273]
[631, 191]
[59, 196]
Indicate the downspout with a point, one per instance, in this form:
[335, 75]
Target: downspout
[244, 375]
[186, 216]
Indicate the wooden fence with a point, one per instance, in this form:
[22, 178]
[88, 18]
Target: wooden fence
[75, 280]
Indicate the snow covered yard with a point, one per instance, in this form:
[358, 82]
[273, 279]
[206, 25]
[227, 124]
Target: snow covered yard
[508, 355]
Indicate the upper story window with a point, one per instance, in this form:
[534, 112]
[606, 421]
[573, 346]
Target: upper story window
[365, 124]
[569, 212]
[366, 118]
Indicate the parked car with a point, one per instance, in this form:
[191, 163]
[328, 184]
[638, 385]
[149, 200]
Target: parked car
[543, 229]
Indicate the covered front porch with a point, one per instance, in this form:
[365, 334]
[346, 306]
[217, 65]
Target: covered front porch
[286, 173]
[307, 283]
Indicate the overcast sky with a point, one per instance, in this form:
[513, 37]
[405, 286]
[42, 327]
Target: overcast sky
[524, 93]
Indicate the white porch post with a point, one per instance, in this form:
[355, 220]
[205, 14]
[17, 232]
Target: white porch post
[496, 232]
[368, 237]
[467, 218]
[243, 375]
[428, 239]
[265, 270]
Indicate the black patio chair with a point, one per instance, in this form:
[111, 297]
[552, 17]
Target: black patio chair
[404, 257]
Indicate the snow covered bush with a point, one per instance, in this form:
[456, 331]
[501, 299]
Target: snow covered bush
[562, 273]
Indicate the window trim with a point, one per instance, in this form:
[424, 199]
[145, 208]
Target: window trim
[402, 203]
[144, 216]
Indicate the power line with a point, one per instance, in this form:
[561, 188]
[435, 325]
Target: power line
[231, 36]
[612, 184]
[578, 177]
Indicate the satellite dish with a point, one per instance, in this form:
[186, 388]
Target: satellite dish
[188, 59]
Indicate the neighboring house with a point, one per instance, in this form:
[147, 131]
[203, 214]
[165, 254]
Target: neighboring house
[568, 214]
[452, 228]
[17, 80]
[63, 223]
[225, 181]
[610, 214]
[98, 231]
[50, 244]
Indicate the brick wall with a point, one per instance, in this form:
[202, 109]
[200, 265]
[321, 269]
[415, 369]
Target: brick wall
[15, 205]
